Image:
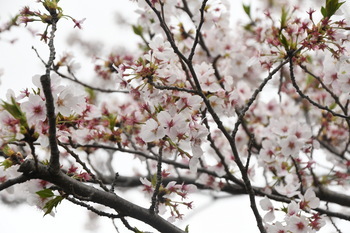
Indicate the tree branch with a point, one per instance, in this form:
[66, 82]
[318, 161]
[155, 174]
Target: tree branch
[302, 95]
[18, 180]
[154, 206]
[50, 108]
[79, 189]
[46, 85]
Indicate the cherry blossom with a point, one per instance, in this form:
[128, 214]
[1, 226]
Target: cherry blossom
[277, 228]
[161, 49]
[35, 109]
[344, 76]
[293, 208]
[266, 205]
[68, 103]
[173, 126]
[291, 146]
[258, 107]
[78, 23]
[290, 189]
[205, 75]
[298, 224]
[152, 131]
[309, 200]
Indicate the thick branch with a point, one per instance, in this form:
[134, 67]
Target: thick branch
[81, 190]
[50, 108]
[46, 85]
[18, 180]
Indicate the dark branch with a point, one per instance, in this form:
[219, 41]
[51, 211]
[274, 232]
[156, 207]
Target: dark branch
[18, 180]
[81, 190]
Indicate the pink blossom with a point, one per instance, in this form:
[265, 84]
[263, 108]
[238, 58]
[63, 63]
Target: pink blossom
[280, 128]
[268, 152]
[198, 137]
[239, 64]
[298, 224]
[34, 109]
[266, 205]
[293, 208]
[55, 84]
[69, 102]
[205, 75]
[151, 131]
[309, 200]
[161, 49]
[291, 146]
[291, 187]
[148, 188]
[344, 76]
[188, 103]
[277, 227]
[173, 126]
[78, 23]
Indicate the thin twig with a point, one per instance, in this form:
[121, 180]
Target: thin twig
[50, 108]
[302, 95]
[171, 88]
[297, 171]
[154, 205]
[89, 86]
[92, 209]
[333, 223]
[76, 157]
[114, 183]
[198, 33]
[18, 180]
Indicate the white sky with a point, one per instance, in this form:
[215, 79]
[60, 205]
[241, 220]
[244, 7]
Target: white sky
[20, 63]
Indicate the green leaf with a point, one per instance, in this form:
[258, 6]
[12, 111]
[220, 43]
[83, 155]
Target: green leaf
[154, 180]
[331, 7]
[52, 204]
[332, 106]
[309, 80]
[91, 93]
[187, 229]
[15, 111]
[138, 30]
[112, 120]
[284, 41]
[284, 18]
[137, 230]
[324, 12]
[246, 9]
[7, 150]
[45, 193]
[6, 163]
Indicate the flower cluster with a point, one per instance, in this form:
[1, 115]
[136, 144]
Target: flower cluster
[297, 218]
[166, 196]
[218, 106]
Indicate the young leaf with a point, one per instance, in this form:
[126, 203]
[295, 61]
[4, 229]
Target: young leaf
[7, 150]
[154, 180]
[246, 9]
[324, 12]
[52, 204]
[15, 111]
[331, 7]
[6, 163]
[284, 18]
[45, 193]
[284, 41]
[138, 30]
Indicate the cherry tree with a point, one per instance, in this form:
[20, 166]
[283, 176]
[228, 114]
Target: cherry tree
[259, 108]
